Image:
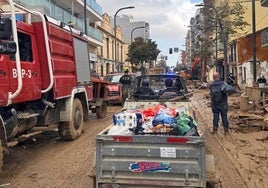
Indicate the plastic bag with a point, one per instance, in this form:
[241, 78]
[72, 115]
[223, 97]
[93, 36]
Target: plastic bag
[148, 113]
[163, 109]
[159, 108]
[185, 123]
[162, 118]
[192, 132]
[119, 130]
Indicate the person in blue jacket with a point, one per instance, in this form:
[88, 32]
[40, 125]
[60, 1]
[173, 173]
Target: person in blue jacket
[219, 91]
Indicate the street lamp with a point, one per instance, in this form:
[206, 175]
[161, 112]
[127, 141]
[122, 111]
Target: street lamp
[129, 7]
[134, 30]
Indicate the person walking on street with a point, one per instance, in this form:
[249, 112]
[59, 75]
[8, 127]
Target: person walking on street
[125, 85]
[219, 91]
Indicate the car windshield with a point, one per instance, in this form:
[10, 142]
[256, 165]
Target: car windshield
[151, 87]
[113, 78]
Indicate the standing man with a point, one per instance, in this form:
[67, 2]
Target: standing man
[125, 85]
[219, 102]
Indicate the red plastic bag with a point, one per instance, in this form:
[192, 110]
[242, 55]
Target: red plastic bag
[164, 109]
[148, 113]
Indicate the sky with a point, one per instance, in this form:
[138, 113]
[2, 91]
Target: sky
[168, 20]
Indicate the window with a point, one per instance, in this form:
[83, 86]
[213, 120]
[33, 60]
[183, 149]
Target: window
[25, 47]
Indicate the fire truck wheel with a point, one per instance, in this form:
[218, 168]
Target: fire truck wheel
[73, 129]
[101, 110]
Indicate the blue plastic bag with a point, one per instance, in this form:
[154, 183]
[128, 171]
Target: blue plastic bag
[162, 118]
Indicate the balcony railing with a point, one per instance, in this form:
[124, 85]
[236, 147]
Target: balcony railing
[94, 6]
[65, 16]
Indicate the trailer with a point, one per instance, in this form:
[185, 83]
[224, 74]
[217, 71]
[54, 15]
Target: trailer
[137, 156]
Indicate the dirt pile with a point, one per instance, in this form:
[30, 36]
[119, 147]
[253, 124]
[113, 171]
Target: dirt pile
[241, 157]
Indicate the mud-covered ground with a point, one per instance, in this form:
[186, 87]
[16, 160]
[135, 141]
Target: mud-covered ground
[242, 156]
[46, 161]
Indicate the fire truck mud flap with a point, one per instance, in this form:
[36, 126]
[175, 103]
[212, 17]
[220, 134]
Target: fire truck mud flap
[101, 108]
[72, 129]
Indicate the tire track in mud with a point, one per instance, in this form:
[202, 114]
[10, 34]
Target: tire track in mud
[56, 163]
[229, 175]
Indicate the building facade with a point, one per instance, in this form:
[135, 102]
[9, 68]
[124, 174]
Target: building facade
[240, 45]
[240, 48]
[131, 29]
[106, 53]
[109, 58]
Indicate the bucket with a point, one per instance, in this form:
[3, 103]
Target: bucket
[244, 103]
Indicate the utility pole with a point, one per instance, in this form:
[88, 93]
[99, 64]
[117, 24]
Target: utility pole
[85, 15]
[254, 41]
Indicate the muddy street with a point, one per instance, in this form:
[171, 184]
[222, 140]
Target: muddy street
[46, 161]
[241, 156]
[50, 162]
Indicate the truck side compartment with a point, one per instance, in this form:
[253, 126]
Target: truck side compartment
[62, 59]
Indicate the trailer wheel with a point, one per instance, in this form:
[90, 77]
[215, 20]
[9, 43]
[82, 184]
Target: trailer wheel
[73, 129]
[101, 110]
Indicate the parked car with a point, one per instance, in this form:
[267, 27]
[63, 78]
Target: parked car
[114, 93]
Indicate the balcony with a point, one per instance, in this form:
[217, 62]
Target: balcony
[48, 8]
[94, 6]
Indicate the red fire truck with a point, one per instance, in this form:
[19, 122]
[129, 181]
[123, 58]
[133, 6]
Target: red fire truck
[44, 76]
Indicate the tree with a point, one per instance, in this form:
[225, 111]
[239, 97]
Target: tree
[229, 21]
[141, 51]
[203, 46]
